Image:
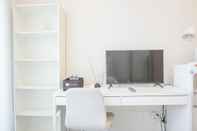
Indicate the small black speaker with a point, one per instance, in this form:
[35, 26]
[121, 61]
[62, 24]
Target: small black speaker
[73, 83]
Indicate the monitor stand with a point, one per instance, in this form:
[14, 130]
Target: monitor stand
[158, 84]
[110, 86]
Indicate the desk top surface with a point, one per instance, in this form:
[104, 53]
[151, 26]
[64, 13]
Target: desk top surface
[139, 91]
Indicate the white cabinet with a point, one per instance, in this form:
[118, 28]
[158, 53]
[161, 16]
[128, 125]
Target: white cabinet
[195, 112]
[195, 119]
[39, 61]
[194, 122]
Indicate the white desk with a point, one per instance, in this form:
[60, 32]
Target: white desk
[124, 97]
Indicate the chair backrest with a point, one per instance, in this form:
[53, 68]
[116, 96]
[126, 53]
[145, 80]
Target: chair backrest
[85, 109]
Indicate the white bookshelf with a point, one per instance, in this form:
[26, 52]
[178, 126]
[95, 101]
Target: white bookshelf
[36, 88]
[41, 33]
[35, 60]
[39, 61]
[34, 1]
[35, 113]
[26, 5]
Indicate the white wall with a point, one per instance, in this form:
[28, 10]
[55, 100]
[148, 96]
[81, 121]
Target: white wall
[99, 25]
[6, 108]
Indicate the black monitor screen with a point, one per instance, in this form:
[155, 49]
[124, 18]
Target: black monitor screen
[134, 66]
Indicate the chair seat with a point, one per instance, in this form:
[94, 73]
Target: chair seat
[110, 116]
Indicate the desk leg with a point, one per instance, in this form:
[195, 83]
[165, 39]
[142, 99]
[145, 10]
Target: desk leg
[180, 117]
[58, 128]
[54, 114]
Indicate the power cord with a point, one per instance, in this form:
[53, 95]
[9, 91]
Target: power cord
[162, 116]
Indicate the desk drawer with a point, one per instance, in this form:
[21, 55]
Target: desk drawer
[154, 100]
[112, 101]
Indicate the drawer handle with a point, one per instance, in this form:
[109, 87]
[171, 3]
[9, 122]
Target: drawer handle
[195, 106]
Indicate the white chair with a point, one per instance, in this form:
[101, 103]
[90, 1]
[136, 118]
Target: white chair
[85, 110]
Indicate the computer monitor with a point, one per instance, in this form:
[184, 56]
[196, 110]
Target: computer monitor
[134, 66]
